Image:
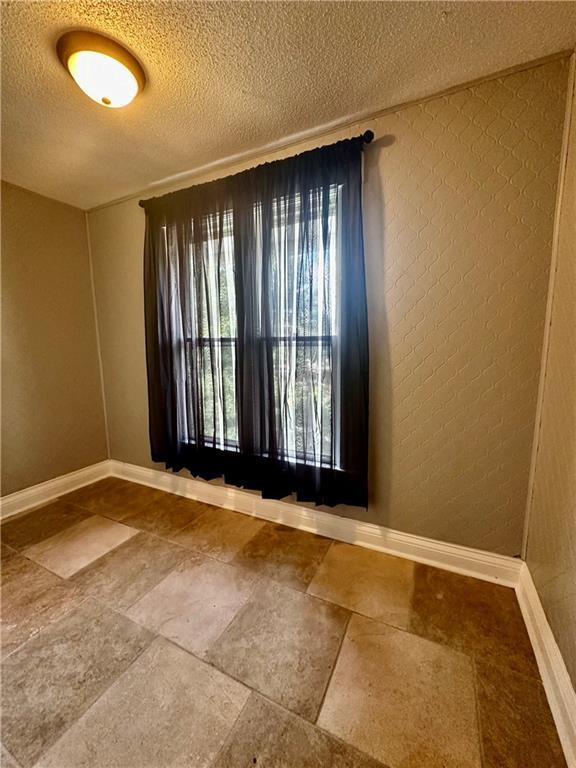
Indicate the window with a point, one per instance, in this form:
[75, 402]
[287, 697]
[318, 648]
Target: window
[304, 342]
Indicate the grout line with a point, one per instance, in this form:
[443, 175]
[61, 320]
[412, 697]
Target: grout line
[568, 116]
[98, 339]
[230, 733]
[331, 675]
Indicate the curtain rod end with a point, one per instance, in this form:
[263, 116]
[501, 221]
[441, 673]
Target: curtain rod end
[368, 136]
[141, 203]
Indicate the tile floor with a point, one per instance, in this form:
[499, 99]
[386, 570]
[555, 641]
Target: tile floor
[144, 630]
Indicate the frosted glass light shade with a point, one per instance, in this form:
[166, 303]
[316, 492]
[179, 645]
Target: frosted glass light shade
[102, 68]
[104, 79]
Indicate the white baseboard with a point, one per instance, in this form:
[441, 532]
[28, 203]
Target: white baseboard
[452, 557]
[555, 677]
[470, 562]
[51, 489]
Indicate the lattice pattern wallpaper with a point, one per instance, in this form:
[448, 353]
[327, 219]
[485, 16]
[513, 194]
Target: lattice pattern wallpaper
[458, 266]
[552, 530]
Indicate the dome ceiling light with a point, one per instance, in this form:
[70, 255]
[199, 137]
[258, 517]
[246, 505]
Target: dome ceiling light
[106, 71]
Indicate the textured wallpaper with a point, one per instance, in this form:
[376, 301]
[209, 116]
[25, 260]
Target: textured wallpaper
[459, 199]
[458, 269]
[551, 552]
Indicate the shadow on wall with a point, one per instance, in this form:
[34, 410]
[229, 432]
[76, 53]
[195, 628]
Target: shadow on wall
[380, 424]
[380, 435]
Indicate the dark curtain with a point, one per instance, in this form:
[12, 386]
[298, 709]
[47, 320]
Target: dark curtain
[256, 328]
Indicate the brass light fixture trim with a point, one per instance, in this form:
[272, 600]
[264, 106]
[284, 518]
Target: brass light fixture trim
[105, 64]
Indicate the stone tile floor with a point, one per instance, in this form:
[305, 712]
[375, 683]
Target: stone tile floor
[144, 630]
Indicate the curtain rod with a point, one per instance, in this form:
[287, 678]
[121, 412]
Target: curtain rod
[367, 137]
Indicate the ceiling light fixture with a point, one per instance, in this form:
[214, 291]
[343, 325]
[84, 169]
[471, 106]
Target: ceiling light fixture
[106, 72]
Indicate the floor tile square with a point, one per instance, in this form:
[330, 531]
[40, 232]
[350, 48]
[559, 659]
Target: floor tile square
[268, 736]
[195, 603]
[403, 699]
[40, 523]
[284, 554]
[31, 598]
[114, 497]
[129, 571]
[284, 644]
[166, 515]
[78, 546]
[480, 618]
[50, 681]
[168, 709]
[219, 533]
[372, 583]
[95, 496]
[515, 721]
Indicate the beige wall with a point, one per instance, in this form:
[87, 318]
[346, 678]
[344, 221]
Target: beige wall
[551, 552]
[459, 201]
[52, 413]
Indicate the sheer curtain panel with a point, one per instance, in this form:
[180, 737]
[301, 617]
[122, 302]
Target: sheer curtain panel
[256, 328]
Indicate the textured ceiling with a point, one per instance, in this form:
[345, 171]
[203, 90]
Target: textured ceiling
[228, 77]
